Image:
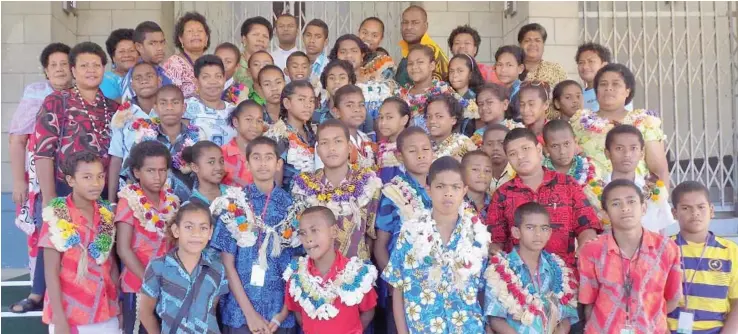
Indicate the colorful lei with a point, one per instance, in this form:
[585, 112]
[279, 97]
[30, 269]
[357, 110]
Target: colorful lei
[366, 154]
[582, 169]
[405, 197]
[358, 190]
[122, 115]
[417, 101]
[236, 93]
[455, 145]
[519, 302]
[64, 234]
[387, 155]
[655, 189]
[471, 110]
[299, 154]
[148, 129]
[380, 68]
[316, 297]
[150, 217]
[591, 122]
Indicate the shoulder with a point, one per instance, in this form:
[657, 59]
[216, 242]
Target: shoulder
[594, 246]
[37, 90]
[644, 119]
[554, 66]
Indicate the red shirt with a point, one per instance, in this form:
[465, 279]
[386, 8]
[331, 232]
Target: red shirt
[565, 202]
[237, 171]
[348, 320]
[488, 73]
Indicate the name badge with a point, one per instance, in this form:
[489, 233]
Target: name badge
[257, 275]
[627, 330]
[686, 322]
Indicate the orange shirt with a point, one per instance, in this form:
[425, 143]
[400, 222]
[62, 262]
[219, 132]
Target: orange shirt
[237, 171]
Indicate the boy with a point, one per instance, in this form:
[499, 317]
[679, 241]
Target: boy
[571, 214]
[630, 278]
[528, 265]
[298, 66]
[701, 310]
[318, 232]
[477, 167]
[624, 146]
[590, 58]
[71, 225]
[492, 140]
[206, 110]
[257, 295]
[352, 193]
[182, 287]
[270, 83]
[257, 61]
[151, 46]
[315, 39]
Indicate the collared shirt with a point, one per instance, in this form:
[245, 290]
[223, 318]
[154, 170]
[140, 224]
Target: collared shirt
[710, 283]
[507, 174]
[213, 122]
[236, 167]
[565, 202]
[488, 73]
[483, 212]
[658, 210]
[290, 144]
[347, 319]
[656, 279]
[198, 196]
[439, 73]
[167, 281]
[181, 183]
[269, 298]
[94, 299]
[110, 85]
[182, 73]
[280, 56]
[547, 279]
[127, 89]
[590, 101]
[124, 136]
[317, 67]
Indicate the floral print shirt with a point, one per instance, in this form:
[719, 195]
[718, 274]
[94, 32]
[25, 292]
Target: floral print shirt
[214, 122]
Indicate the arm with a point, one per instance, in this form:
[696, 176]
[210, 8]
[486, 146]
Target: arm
[587, 312]
[366, 318]
[129, 259]
[254, 320]
[656, 160]
[500, 326]
[46, 181]
[146, 314]
[563, 327]
[398, 311]
[497, 223]
[116, 164]
[731, 321]
[273, 327]
[673, 286]
[380, 249]
[17, 147]
[52, 266]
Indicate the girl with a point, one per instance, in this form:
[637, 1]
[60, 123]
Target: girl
[492, 100]
[206, 161]
[394, 116]
[465, 78]
[271, 83]
[337, 73]
[443, 116]
[257, 61]
[234, 92]
[248, 121]
[567, 98]
[533, 106]
[510, 70]
[293, 132]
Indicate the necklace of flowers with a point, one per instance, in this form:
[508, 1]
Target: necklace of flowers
[122, 115]
[471, 110]
[106, 120]
[148, 129]
[518, 301]
[149, 216]
[300, 154]
[64, 233]
[455, 145]
[405, 197]
[581, 169]
[592, 122]
[387, 156]
[236, 93]
[366, 154]
[653, 189]
[360, 188]
[316, 297]
[417, 101]
[374, 69]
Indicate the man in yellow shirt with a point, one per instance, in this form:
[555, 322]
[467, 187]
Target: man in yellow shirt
[414, 28]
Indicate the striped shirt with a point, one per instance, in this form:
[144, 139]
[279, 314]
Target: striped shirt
[708, 284]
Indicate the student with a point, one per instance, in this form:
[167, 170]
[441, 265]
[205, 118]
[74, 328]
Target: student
[590, 58]
[465, 78]
[270, 85]
[72, 224]
[567, 98]
[337, 73]
[436, 266]
[443, 114]
[182, 287]
[394, 117]
[502, 172]
[206, 109]
[510, 70]
[533, 101]
[257, 61]
[256, 251]
[477, 170]
[349, 311]
[371, 32]
[466, 40]
[624, 147]
[149, 40]
[493, 101]
[205, 158]
[708, 265]
[559, 193]
[298, 66]
[144, 211]
[543, 279]
[630, 278]
[233, 92]
[352, 193]
[315, 39]
[248, 121]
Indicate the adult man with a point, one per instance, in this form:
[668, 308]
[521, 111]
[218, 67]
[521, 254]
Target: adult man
[465, 39]
[286, 28]
[151, 45]
[414, 28]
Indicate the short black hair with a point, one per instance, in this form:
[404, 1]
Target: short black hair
[624, 71]
[499, 91]
[618, 183]
[465, 29]
[262, 140]
[170, 88]
[333, 123]
[623, 129]
[601, 51]
[402, 107]
[116, 36]
[143, 28]
[70, 164]
[517, 52]
[192, 206]
[143, 63]
[247, 25]
[518, 133]
[267, 68]
[146, 149]
[455, 110]
[52, 49]
[532, 27]
[476, 153]
[344, 64]
[527, 209]
[344, 91]
[364, 49]
[89, 48]
[381, 49]
[241, 107]
[229, 46]
[179, 27]
[559, 89]
[416, 7]
[427, 50]
[284, 15]
[476, 80]
[406, 133]
[540, 87]
[208, 60]
[375, 19]
[324, 211]
[259, 52]
[295, 55]
[190, 154]
[687, 187]
[318, 23]
[556, 125]
[443, 164]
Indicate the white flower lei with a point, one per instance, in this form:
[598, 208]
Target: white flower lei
[299, 157]
[456, 145]
[134, 202]
[405, 197]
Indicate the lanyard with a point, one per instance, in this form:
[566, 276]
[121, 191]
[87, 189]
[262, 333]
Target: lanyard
[688, 285]
[263, 216]
[627, 278]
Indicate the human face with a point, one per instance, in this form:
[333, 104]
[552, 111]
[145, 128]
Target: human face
[230, 61]
[371, 33]
[532, 44]
[287, 30]
[508, 69]
[389, 122]
[298, 68]
[88, 72]
[250, 123]
[447, 191]
[316, 235]
[193, 231]
[258, 61]
[440, 122]
[153, 49]
[524, 156]
[314, 39]
[352, 110]
[257, 39]
[534, 232]
[416, 154]
[210, 166]
[88, 180]
[561, 147]
[464, 44]
[58, 70]
[459, 75]
[153, 174]
[532, 107]
[271, 85]
[125, 55]
[625, 152]
[170, 107]
[350, 51]
[570, 101]
[491, 109]
[624, 208]
[419, 66]
[588, 65]
[612, 91]
[333, 147]
[693, 212]
[336, 78]
[492, 145]
[478, 173]
[210, 83]
[193, 37]
[264, 163]
[300, 104]
[413, 26]
[145, 81]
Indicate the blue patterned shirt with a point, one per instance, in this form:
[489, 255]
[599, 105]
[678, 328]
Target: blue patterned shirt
[181, 183]
[483, 213]
[125, 84]
[268, 299]
[123, 138]
[317, 67]
[168, 282]
[214, 123]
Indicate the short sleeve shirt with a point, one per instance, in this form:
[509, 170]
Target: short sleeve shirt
[110, 85]
[213, 122]
[124, 136]
[236, 167]
[24, 118]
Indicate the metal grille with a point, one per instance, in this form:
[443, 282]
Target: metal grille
[684, 57]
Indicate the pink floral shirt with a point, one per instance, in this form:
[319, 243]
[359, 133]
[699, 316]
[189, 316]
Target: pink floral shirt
[182, 73]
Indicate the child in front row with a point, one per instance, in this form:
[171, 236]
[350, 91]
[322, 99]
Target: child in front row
[477, 167]
[320, 305]
[548, 286]
[207, 163]
[145, 209]
[492, 144]
[182, 287]
[443, 115]
[77, 235]
[248, 120]
[394, 117]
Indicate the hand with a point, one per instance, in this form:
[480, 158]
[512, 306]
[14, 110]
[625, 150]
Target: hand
[273, 327]
[257, 323]
[20, 192]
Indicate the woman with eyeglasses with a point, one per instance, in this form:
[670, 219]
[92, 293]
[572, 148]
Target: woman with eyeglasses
[532, 38]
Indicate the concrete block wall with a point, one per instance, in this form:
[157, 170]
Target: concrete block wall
[561, 20]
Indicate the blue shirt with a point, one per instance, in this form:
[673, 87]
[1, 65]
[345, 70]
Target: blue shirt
[168, 282]
[590, 101]
[268, 299]
[549, 276]
[213, 122]
[323, 114]
[198, 196]
[111, 85]
[125, 84]
[513, 109]
[123, 138]
[317, 67]
[181, 183]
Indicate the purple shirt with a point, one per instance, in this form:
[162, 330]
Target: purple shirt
[24, 119]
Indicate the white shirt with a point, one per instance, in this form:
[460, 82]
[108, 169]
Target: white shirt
[280, 56]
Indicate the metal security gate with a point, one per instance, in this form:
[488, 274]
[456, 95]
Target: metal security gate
[685, 59]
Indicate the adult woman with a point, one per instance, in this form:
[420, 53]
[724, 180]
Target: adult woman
[55, 61]
[614, 85]
[192, 38]
[532, 38]
[123, 52]
[256, 32]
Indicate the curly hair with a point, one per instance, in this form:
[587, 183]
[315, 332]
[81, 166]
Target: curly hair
[116, 37]
[52, 49]
[452, 105]
[365, 51]
[70, 164]
[179, 28]
[249, 24]
[601, 51]
[87, 47]
[147, 149]
[532, 27]
[344, 64]
[465, 29]
[624, 72]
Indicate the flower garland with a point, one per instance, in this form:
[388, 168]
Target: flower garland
[471, 110]
[582, 169]
[365, 155]
[387, 155]
[148, 129]
[299, 154]
[517, 299]
[316, 297]
[455, 145]
[591, 122]
[236, 93]
[380, 68]
[64, 234]
[122, 115]
[358, 190]
[654, 189]
[151, 218]
[417, 101]
[405, 197]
